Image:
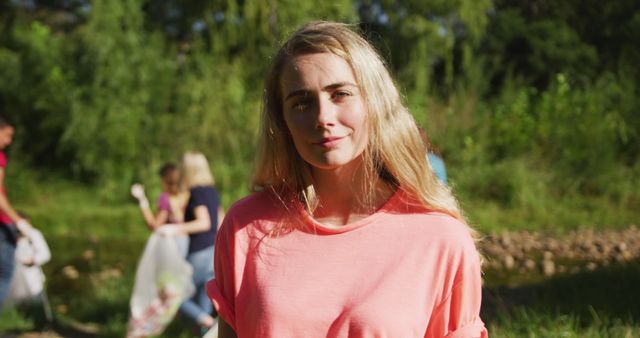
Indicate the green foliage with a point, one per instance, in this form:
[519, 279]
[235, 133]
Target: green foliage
[35, 85]
[530, 105]
[513, 124]
[9, 69]
[535, 50]
[424, 39]
[111, 102]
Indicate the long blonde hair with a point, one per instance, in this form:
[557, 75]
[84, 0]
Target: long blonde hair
[395, 153]
[195, 170]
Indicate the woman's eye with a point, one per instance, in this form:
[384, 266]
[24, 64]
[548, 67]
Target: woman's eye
[341, 94]
[300, 105]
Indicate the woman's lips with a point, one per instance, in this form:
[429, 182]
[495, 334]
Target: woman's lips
[328, 142]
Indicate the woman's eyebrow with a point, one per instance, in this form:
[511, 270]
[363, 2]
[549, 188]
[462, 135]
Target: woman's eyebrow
[340, 84]
[304, 92]
[297, 92]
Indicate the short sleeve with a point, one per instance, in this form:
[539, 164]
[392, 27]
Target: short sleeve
[3, 160]
[221, 290]
[203, 196]
[458, 315]
[163, 202]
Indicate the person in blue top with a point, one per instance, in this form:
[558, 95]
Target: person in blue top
[202, 217]
[437, 164]
[435, 158]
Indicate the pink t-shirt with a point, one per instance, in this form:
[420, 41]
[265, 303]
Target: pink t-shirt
[401, 272]
[4, 219]
[165, 204]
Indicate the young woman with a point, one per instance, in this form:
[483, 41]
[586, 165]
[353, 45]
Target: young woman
[10, 221]
[348, 233]
[171, 203]
[202, 218]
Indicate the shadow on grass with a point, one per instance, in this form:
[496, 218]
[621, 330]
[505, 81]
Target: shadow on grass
[35, 324]
[608, 292]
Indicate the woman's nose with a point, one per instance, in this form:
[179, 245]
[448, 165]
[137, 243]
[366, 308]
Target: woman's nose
[326, 115]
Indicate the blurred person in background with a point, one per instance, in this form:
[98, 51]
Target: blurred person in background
[28, 284]
[10, 221]
[171, 203]
[434, 157]
[202, 217]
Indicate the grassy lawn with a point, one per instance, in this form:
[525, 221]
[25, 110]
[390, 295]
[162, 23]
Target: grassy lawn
[600, 303]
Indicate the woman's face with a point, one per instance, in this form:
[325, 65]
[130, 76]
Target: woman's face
[170, 182]
[324, 110]
[6, 136]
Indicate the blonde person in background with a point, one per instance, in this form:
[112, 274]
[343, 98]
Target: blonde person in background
[203, 216]
[348, 233]
[170, 205]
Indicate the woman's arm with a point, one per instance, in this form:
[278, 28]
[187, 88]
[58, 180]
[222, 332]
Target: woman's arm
[220, 216]
[201, 223]
[5, 205]
[225, 330]
[153, 222]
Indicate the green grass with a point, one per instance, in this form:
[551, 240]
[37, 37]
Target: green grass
[521, 194]
[535, 324]
[13, 320]
[600, 303]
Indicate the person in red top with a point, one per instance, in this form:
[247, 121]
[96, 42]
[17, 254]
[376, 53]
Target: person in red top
[348, 232]
[10, 221]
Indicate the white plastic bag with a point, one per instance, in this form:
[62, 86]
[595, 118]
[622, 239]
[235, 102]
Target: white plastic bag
[163, 282]
[28, 280]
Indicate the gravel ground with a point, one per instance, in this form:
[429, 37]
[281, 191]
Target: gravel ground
[580, 250]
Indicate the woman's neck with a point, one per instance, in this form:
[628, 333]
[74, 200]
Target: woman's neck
[343, 195]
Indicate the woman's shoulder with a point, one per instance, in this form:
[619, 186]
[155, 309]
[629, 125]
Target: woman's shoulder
[164, 197]
[203, 188]
[435, 227]
[413, 211]
[455, 235]
[203, 191]
[258, 205]
[448, 223]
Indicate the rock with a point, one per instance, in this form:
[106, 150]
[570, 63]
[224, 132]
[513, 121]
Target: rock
[529, 264]
[509, 262]
[62, 308]
[70, 272]
[109, 274]
[88, 255]
[515, 250]
[548, 268]
[547, 255]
